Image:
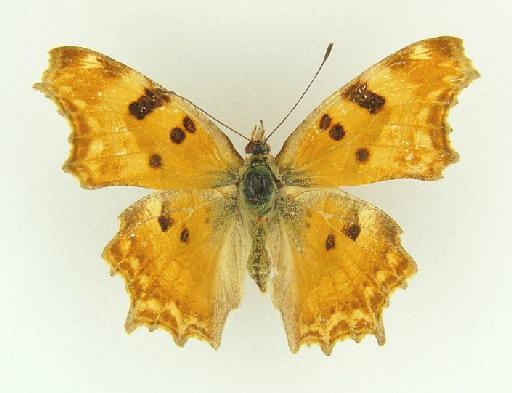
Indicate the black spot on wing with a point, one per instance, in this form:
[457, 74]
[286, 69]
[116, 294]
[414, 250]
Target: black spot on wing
[185, 236]
[337, 132]
[330, 242]
[189, 124]
[362, 154]
[148, 102]
[177, 135]
[324, 122]
[365, 98]
[165, 222]
[352, 231]
[155, 161]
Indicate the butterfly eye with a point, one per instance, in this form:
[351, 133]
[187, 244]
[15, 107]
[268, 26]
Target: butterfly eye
[250, 148]
[257, 148]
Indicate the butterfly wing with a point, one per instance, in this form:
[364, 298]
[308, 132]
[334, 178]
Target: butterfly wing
[337, 260]
[182, 255]
[388, 123]
[127, 130]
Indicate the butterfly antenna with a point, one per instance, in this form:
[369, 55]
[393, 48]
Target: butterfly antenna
[326, 56]
[212, 117]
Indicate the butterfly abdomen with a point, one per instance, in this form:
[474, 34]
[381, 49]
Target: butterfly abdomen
[258, 263]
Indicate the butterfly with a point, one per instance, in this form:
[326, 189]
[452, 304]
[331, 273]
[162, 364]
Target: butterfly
[330, 260]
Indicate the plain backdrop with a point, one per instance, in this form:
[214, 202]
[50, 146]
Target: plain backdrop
[62, 315]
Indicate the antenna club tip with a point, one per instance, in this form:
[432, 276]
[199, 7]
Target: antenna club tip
[328, 51]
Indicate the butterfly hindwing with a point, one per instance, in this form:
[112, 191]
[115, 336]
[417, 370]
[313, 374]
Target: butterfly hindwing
[182, 255]
[127, 130]
[388, 123]
[337, 260]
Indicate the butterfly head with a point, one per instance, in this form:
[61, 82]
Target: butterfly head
[257, 145]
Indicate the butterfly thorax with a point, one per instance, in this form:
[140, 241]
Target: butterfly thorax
[259, 180]
[258, 187]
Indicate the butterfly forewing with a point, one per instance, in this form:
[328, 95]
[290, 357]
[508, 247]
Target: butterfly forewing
[127, 130]
[388, 123]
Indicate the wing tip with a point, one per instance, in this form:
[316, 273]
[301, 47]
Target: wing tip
[468, 74]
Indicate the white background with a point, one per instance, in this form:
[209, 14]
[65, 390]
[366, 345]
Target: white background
[62, 315]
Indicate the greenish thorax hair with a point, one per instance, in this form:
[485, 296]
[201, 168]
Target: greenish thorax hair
[257, 195]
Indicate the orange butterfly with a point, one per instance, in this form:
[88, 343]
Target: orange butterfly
[332, 260]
